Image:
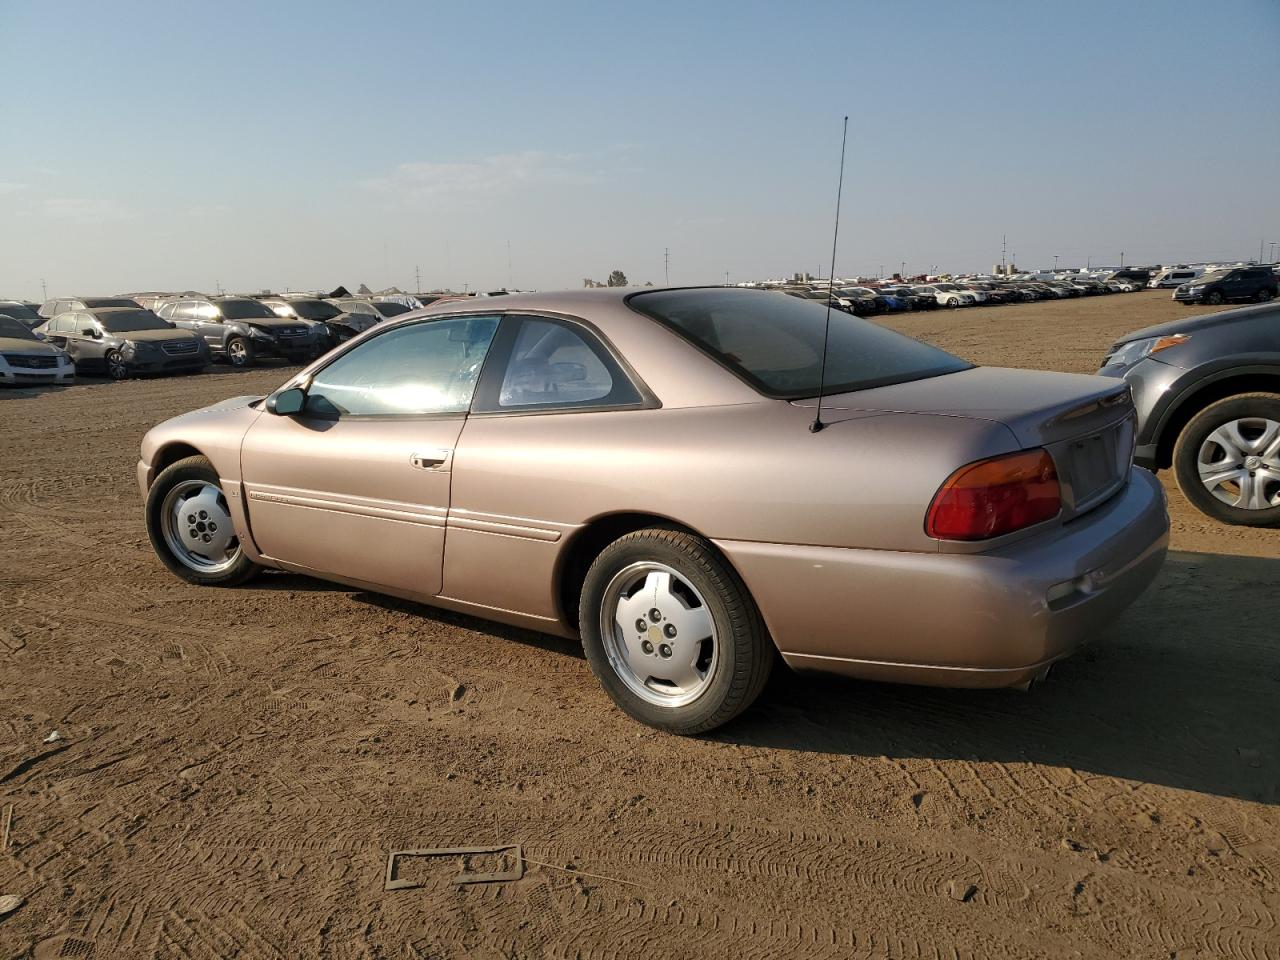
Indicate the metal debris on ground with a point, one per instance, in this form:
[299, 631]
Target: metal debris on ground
[462, 854]
[53, 737]
[9, 903]
[8, 822]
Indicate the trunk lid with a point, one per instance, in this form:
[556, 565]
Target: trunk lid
[1086, 423]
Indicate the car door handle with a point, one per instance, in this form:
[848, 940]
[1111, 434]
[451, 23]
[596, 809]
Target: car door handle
[430, 459]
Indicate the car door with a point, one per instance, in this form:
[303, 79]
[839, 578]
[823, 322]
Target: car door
[552, 393]
[80, 346]
[356, 486]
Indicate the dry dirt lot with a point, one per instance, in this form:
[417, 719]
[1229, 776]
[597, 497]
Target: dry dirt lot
[235, 765]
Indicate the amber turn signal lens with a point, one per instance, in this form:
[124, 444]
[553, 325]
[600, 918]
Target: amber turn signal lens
[1164, 343]
[994, 497]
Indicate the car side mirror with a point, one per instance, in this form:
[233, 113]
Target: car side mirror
[287, 403]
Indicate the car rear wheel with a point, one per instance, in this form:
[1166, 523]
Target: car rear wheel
[190, 526]
[1227, 460]
[671, 632]
[1265, 294]
[117, 369]
[240, 352]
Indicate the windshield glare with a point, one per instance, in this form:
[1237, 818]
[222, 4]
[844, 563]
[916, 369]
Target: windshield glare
[774, 342]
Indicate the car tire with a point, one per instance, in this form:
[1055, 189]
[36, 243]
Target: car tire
[1264, 295]
[1197, 452]
[117, 369]
[240, 352]
[694, 590]
[1214, 299]
[170, 539]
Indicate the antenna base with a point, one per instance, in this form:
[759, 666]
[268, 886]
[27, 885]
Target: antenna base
[815, 426]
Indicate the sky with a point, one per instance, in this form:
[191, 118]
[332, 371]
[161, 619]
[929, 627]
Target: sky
[300, 145]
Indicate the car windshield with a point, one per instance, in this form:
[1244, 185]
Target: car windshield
[775, 342]
[10, 327]
[109, 302]
[1216, 275]
[122, 321]
[313, 309]
[390, 308]
[245, 310]
[19, 311]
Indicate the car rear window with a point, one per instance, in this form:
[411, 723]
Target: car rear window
[774, 342]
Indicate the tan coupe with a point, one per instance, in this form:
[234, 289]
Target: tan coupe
[640, 469]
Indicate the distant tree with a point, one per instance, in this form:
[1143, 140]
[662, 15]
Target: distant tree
[617, 279]
[588, 282]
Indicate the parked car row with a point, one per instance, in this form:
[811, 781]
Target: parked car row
[156, 333]
[868, 300]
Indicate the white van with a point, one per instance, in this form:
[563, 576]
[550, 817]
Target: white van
[1175, 277]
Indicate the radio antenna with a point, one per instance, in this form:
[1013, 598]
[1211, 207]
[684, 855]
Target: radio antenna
[831, 283]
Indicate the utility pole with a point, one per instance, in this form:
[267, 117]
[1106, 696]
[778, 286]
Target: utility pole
[417, 279]
[1004, 249]
[726, 278]
[1121, 259]
[1259, 251]
[43, 290]
[509, 283]
[1055, 263]
[902, 273]
[666, 266]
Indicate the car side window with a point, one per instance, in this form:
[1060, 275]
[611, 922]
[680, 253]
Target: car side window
[204, 310]
[552, 365]
[417, 370]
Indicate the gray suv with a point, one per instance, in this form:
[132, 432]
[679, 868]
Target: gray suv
[241, 329]
[1207, 392]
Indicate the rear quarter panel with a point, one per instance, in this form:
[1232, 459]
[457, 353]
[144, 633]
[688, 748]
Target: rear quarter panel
[750, 472]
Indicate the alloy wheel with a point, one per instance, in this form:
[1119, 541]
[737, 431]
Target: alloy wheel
[659, 635]
[197, 528]
[117, 369]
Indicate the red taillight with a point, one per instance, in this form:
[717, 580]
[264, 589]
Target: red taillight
[996, 496]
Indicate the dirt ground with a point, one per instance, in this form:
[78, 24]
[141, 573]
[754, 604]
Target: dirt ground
[235, 765]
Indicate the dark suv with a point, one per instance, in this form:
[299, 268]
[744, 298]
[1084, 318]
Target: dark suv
[240, 329]
[1207, 393]
[1239, 283]
[123, 342]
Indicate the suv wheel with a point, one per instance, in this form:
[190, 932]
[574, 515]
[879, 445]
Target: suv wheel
[1265, 294]
[1214, 298]
[671, 632]
[1227, 460]
[117, 369]
[190, 526]
[240, 352]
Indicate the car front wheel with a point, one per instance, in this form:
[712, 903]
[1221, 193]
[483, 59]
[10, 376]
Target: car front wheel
[1227, 460]
[117, 369]
[1214, 298]
[190, 526]
[671, 632]
[240, 352]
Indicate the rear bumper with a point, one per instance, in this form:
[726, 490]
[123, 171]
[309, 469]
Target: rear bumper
[962, 620]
